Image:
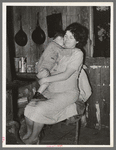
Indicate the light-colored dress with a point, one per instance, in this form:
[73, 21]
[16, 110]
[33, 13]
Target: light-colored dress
[61, 95]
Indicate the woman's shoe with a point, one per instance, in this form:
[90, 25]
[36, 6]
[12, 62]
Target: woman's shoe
[34, 142]
[38, 142]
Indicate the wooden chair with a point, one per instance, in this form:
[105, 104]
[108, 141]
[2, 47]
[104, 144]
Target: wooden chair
[80, 109]
[77, 129]
[77, 123]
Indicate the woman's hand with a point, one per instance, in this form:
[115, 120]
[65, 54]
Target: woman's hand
[43, 73]
[43, 80]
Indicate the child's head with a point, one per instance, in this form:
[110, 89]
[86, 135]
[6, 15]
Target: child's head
[58, 38]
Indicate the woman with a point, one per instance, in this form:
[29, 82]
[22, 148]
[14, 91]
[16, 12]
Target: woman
[62, 92]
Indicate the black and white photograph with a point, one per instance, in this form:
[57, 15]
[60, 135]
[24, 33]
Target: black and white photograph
[57, 74]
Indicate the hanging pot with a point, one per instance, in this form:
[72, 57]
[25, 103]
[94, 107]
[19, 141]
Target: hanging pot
[38, 35]
[21, 37]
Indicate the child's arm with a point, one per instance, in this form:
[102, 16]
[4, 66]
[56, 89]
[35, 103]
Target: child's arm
[39, 65]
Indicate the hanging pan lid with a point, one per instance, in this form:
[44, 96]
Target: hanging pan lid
[38, 35]
[21, 37]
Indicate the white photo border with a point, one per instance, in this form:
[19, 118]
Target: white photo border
[4, 23]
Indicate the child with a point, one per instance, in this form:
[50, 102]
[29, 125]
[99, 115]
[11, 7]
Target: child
[48, 60]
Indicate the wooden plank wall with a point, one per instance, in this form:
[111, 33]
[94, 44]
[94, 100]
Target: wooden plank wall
[99, 75]
[29, 19]
[8, 66]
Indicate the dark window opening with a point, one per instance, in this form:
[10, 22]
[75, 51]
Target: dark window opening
[101, 31]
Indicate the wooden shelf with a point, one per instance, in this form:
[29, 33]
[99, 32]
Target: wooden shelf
[17, 83]
[26, 75]
[21, 80]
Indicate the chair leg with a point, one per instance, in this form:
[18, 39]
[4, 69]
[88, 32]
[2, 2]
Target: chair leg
[77, 133]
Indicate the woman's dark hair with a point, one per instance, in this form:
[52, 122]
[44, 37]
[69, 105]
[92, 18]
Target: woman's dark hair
[79, 32]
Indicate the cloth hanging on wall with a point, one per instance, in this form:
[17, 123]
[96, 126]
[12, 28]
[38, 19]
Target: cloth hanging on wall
[54, 24]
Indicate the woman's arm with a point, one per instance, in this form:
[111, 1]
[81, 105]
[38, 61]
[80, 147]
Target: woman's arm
[59, 77]
[74, 65]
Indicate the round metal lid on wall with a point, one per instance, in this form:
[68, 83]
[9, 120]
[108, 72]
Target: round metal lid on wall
[38, 35]
[21, 37]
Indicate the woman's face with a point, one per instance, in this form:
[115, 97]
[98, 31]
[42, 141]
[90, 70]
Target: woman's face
[69, 40]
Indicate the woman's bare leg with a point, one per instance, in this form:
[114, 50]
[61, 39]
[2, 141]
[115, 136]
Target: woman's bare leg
[29, 124]
[33, 139]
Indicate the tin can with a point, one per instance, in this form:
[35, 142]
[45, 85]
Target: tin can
[16, 62]
[30, 69]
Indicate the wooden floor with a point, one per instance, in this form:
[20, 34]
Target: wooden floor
[62, 134]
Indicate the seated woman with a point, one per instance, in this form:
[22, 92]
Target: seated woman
[63, 91]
